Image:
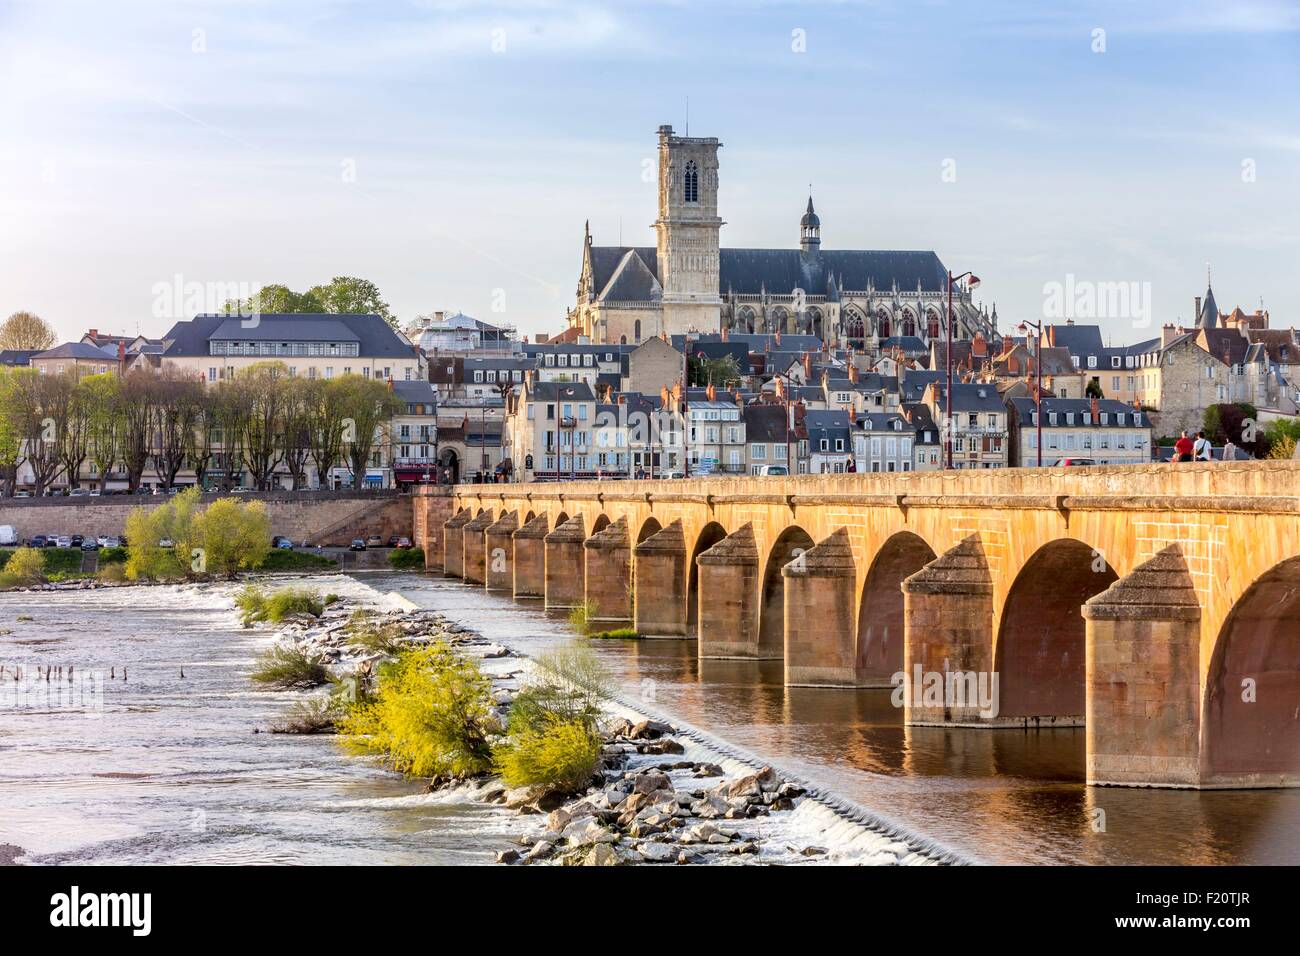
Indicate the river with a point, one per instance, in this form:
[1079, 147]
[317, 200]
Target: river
[171, 771]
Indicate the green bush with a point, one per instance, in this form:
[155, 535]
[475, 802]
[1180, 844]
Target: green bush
[286, 667]
[112, 556]
[559, 755]
[406, 559]
[331, 599]
[21, 568]
[279, 559]
[112, 573]
[256, 605]
[431, 715]
[315, 715]
[580, 617]
[619, 633]
[381, 638]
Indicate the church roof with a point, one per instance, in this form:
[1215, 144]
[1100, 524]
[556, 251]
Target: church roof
[810, 217]
[1209, 317]
[779, 271]
[632, 281]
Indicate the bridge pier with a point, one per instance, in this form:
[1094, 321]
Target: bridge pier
[727, 581]
[661, 580]
[820, 645]
[1143, 678]
[453, 557]
[565, 587]
[948, 630]
[608, 585]
[473, 548]
[530, 558]
[499, 552]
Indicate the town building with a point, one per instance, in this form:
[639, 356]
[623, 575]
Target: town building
[1104, 430]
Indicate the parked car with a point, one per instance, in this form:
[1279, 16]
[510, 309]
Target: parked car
[22, 494]
[102, 540]
[281, 542]
[357, 545]
[166, 543]
[393, 539]
[770, 470]
[64, 541]
[403, 542]
[8, 534]
[1074, 461]
[88, 543]
[75, 541]
[79, 493]
[374, 541]
[112, 542]
[36, 541]
[51, 541]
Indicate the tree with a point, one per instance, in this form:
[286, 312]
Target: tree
[73, 436]
[723, 371]
[1237, 423]
[136, 414]
[353, 296]
[276, 298]
[26, 330]
[263, 385]
[102, 395]
[324, 408]
[366, 404]
[179, 407]
[233, 535]
[10, 435]
[296, 430]
[1093, 389]
[35, 400]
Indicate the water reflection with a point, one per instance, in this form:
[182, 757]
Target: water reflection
[999, 796]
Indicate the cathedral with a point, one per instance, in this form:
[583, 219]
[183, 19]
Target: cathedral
[687, 282]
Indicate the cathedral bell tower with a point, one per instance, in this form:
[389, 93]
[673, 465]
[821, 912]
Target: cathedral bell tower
[688, 232]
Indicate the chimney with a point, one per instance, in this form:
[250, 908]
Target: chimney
[1168, 332]
[121, 355]
[853, 372]
[663, 395]
[725, 336]
[1096, 410]
[712, 395]
[777, 338]
[1196, 316]
[93, 333]
[807, 366]
[853, 416]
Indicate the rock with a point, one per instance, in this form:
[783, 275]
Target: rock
[649, 730]
[782, 803]
[541, 850]
[718, 838]
[652, 781]
[748, 786]
[558, 819]
[657, 852]
[508, 856]
[602, 854]
[585, 832]
[813, 851]
[699, 833]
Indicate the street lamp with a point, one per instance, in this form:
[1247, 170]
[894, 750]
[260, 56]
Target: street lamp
[971, 283]
[1023, 328]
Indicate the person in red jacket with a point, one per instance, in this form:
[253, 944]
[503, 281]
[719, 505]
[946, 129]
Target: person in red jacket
[1183, 448]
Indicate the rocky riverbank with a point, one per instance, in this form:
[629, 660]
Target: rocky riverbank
[657, 796]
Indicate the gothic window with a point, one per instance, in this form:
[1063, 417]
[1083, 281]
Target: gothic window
[745, 320]
[815, 322]
[691, 184]
[778, 319]
[932, 324]
[636, 331]
[882, 324]
[909, 324]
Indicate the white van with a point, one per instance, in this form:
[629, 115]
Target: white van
[765, 470]
[8, 535]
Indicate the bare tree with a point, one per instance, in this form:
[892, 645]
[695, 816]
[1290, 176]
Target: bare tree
[137, 408]
[367, 403]
[102, 431]
[26, 330]
[178, 412]
[33, 398]
[296, 430]
[324, 400]
[264, 385]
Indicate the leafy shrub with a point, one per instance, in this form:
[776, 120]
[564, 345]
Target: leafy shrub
[329, 599]
[227, 536]
[256, 605]
[61, 560]
[619, 633]
[559, 755]
[406, 559]
[112, 573]
[580, 617]
[21, 568]
[278, 559]
[381, 638]
[431, 715]
[315, 715]
[1283, 449]
[234, 535]
[112, 556]
[286, 667]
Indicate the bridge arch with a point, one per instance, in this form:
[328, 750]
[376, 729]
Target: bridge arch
[529, 516]
[560, 518]
[791, 543]
[880, 611]
[1040, 654]
[599, 523]
[650, 526]
[1250, 723]
[709, 535]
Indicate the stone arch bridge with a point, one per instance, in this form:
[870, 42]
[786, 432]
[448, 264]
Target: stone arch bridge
[1157, 607]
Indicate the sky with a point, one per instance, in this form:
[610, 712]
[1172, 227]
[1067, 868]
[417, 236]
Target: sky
[155, 156]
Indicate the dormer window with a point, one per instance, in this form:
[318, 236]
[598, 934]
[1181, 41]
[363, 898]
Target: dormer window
[691, 183]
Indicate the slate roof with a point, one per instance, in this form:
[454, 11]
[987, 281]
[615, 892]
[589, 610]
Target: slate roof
[77, 350]
[1226, 345]
[632, 281]
[765, 423]
[1080, 406]
[1209, 317]
[415, 393]
[561, 392]
[17, 356]
[830, 424]
[375, 337]
[751, 271]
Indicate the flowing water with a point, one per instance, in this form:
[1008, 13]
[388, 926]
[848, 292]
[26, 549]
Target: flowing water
[165, 769]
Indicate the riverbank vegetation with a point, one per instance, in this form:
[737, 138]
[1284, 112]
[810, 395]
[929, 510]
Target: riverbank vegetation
[580, 620]
[288, 668]
[256, 605]
[178, 539]
[406, 559]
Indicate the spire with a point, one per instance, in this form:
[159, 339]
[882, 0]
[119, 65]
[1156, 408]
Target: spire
[810, 229]
[1209, 317]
